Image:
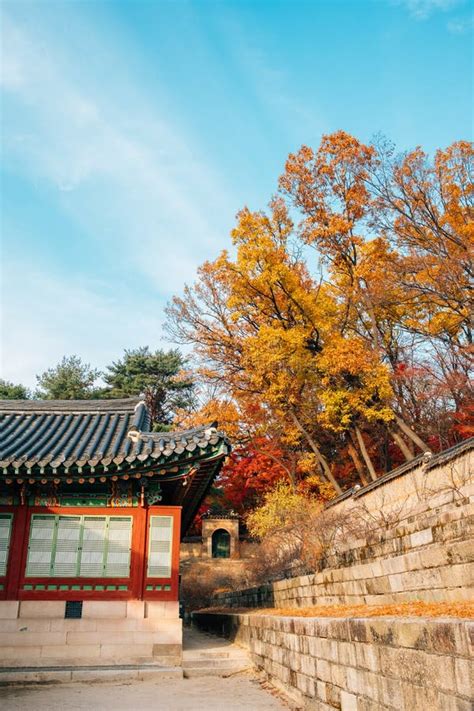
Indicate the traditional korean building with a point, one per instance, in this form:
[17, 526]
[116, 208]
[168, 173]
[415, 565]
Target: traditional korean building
[92, 509]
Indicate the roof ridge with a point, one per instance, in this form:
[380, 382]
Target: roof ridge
[176, 434]
[71, 406]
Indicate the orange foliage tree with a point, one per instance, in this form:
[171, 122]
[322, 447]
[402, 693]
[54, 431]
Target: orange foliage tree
[341, 326]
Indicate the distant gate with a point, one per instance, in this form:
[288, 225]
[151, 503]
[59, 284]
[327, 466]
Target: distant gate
[221, 543]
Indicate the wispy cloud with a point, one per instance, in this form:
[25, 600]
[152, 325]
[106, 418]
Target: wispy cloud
[159, 198]
[461, 25]
[121, 168]
[422, 9]
[272, 84]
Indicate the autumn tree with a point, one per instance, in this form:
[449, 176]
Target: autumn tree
[426, 207]
[260, 321]
[332, 190]
[330, 326]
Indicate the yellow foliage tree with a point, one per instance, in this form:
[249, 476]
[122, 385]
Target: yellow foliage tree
[314, 347]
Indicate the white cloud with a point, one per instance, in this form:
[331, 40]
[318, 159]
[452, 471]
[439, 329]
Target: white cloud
[119, 167]
[422, 9]
[461, 25]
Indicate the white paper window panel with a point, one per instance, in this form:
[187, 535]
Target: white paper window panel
[40, 546]
[92, 564]
[120, 529]
[39, 563]
[159, 566]
[117, 563]
[93, 546]
[65, 564]
[160, 547]
[68, 535]
[94, 530]
[5, 534]
[42, 528]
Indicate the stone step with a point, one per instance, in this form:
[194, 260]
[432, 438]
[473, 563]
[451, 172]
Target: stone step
[196, 654]
[237, 654]
[217, 670]
[214, 663]
[126, 672]
[215, 666]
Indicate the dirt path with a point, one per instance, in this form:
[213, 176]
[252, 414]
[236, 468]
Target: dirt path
[239, 693]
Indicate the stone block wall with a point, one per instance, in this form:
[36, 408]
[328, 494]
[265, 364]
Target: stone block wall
[425, 552]
[366, 664]
[36, 634]
[189, 550]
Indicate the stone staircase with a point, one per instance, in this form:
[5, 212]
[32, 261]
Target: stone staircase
[206, 655]
[116, 673]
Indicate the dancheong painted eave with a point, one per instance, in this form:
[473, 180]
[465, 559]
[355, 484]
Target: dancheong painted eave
[57, 437]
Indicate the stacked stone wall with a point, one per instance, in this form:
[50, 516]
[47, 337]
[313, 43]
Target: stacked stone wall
[366, 664]
[419, 548]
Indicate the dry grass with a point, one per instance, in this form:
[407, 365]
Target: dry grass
[404, 609]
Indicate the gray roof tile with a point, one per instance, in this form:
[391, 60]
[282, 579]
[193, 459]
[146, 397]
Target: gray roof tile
[66, 433]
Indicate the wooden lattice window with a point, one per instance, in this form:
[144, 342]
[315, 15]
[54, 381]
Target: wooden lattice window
[5, 537]
[79, 546]
[160, 546]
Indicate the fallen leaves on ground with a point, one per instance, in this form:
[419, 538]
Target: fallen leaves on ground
[403, 609]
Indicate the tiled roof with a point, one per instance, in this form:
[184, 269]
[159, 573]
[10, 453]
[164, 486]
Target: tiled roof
[50, 435]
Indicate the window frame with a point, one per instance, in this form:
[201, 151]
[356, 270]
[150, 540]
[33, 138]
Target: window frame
[151, 517]
[10, 517]
[136, 587]
[79, 549]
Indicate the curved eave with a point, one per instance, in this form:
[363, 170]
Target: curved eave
[160, 463]
[198, 490]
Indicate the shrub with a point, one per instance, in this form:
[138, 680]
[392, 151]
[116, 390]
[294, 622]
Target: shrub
[295, 534]
[200, 583]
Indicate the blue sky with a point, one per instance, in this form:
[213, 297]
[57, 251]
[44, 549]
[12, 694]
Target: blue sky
[132, 132]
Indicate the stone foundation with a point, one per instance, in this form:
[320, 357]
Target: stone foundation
[36, 634]
[367, 664]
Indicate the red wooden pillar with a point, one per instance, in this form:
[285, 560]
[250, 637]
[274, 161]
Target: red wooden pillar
[16, 557]
[138, 553]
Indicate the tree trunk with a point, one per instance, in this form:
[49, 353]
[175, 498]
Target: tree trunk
[387, 465]
[376, 341]
[398, 439]
[365, 454]
[290, 472]
[357, 463]
[412, 435]
[321, 459]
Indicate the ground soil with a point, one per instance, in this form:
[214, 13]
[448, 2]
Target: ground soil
[239, 693]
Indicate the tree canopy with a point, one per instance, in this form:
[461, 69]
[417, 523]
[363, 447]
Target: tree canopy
[10, 391]
[341, 324]
[159, 375]
[70, 379]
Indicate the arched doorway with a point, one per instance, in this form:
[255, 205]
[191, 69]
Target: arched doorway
[221, 543]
